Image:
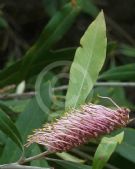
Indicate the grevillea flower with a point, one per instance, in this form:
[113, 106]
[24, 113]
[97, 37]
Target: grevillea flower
[79, 126]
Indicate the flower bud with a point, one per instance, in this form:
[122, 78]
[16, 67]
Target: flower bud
[79, 126]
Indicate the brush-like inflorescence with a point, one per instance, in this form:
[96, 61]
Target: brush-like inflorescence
[78, 126]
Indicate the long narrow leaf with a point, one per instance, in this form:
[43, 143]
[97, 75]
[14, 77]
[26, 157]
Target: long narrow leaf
[105, 150]
[8, 111]
[55, 29]
[11, 76]
[127, 148]
[88, 7]
[127, 50]
[32, 117]
[52, 32]
[9, 128]
[125, 72]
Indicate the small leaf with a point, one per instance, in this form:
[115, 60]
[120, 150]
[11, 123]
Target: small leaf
[88, 61]
[105, 149]
[69, 157]
[8, 127]
[21, 87]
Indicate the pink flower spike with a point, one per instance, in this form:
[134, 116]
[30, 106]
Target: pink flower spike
[79, 126]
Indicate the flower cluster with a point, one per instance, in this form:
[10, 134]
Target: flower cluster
[79, 126]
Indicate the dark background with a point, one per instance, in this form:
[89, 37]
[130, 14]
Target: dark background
[26, 19]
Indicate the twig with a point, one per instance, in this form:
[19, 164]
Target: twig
[17, 96]
[64, 87]
[7, 88]
[16, 166]
[36, 157]
[116, 84]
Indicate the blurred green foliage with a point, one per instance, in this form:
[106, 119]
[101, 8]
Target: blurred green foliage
[36, 34]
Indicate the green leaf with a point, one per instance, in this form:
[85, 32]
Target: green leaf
[88, 7]
[57, 27]
[53, 32]
[127, 50]
[127, 148]
[3, 139]
[9, 128]
[125, 72]
[69, 165]
[127, 151]
[3, 23]
[120, 162]
[11, 76]
[105, 149]
[88, 61]
[17, 105]
[12, 114]
[50, 6]
[69, 157]
[32, 117]
[40, 162]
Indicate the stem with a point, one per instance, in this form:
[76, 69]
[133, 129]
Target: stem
[36, 157]
[116, 84]
[64, 87]
[17, 96]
